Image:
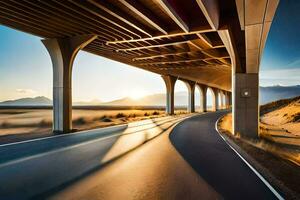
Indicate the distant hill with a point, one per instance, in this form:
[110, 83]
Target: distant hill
[42, 101]
[267, 94]
[150, 100]
[36, 101]
[273, 93]
[278, 104]
[93, 102]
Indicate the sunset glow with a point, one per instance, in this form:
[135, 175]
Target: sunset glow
[137, 94]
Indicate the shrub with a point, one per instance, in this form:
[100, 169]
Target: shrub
[132, 115]
[103, 117]
[80, 121]
[296, 117]
[155, 113]
[44, 123]
[106, 119]
[5, 124]
[120, 115]
[146, 114]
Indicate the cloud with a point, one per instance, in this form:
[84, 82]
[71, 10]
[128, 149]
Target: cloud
[25, 91]
[294, 63]
[281, 74]
[289, 76]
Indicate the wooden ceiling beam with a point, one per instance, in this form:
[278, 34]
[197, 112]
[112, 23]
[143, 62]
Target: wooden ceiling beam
[145, 14]
[173, 42]
[186, 60]
[173, 62]
[175, 53]
[174, 15]
[153, 46]
[119, 14]
[14, 23]
[158, 37]
[13, 16]
[179, 65]
[211, 11]
[58, 10]
[112, 22]
[19, 11]
[205, 39]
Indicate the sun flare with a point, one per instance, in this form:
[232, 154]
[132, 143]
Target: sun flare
[137, 94]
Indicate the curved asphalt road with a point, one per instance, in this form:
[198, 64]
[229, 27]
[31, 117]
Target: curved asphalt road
[201, 146]
[191, 162]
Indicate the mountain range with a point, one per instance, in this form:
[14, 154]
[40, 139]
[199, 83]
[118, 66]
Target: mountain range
[267, 94]
[274, 93]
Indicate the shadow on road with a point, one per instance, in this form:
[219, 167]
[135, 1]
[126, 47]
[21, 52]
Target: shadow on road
[197, 141]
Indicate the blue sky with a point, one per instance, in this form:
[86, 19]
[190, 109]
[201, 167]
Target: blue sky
[281, 58]
[25, 66]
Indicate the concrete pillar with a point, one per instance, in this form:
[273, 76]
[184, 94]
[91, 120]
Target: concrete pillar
[62, 52]
[191, 95]
[245, 104]
[203, 98]
[222, 103]
[215, 99]
[225, 95]
[170, 86]
[227, 104]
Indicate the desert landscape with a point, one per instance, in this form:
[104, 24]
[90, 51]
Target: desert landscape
[279, 128]
[280, 121]
[17, 124]
[278, 143]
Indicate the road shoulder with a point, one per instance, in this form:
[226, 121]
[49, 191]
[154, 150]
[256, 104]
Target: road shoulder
[281, 174]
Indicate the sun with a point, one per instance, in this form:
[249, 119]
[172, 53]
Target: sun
[137, 94]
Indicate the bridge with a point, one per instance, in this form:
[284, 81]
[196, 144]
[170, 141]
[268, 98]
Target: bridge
[214, 45]
[208, 44]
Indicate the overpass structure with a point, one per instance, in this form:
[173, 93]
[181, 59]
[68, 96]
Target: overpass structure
[206, 43]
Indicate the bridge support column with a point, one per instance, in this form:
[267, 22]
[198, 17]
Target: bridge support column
[222, 103]
[203, 98]
[191, 95]
[170, 86]
[215, 99]
[63, 52]
[230, 99]
[245, 104]
[227, 101]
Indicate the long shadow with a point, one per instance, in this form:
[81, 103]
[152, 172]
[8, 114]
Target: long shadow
[196, 140]
[95, 169]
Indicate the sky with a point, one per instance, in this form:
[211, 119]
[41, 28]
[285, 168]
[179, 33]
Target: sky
[280, 64]
[26, 69]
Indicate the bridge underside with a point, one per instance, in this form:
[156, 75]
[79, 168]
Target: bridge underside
[202, 42]
[166, 37]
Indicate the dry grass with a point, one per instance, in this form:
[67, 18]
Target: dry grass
[285, 147]
[20, 124]
[275, 105]
[282, 161]
[225, 123]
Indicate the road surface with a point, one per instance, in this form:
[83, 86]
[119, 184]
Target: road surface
[32, 168]
[190, 161]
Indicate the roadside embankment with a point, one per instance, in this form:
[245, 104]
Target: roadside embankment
[279, 163]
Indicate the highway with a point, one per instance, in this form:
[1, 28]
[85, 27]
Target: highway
[188, 161]
[34, 167]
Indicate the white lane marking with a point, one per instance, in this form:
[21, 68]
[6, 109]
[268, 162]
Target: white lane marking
[99, 130]
[249, 165]
[176, 120]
